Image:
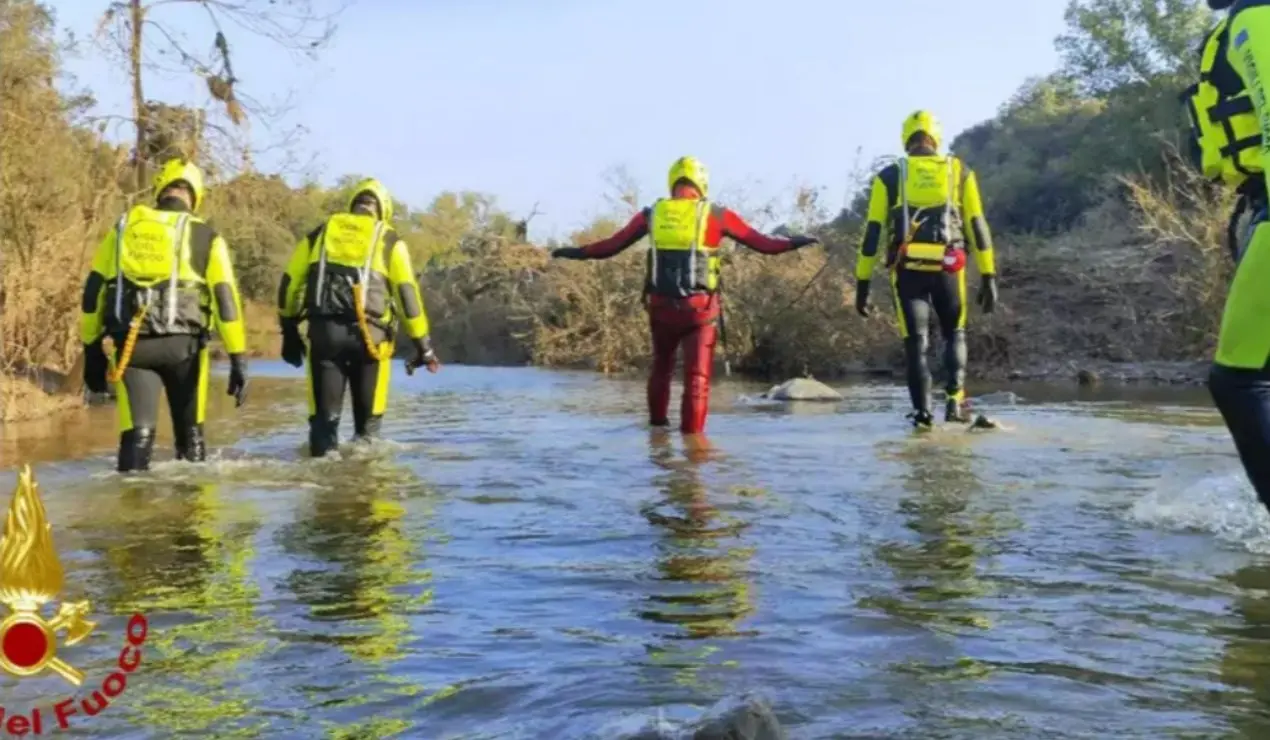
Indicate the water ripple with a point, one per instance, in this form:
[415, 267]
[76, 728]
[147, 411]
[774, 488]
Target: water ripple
[525, 559]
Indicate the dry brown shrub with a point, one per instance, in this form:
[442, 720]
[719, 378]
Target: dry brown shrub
[23, 398]
[1141, 279]
[59, 194]
[478, 305]
[591, 314]
[794, 314]
[1183, 223]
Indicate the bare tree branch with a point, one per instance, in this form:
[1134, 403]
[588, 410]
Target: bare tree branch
[144, 36]
[522, 226]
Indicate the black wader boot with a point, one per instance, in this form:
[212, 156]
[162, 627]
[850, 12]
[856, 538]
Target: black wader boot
[918, 377]
[372, 428]
[190, 445]
[324, 435]
[135, 446]
[955, 367]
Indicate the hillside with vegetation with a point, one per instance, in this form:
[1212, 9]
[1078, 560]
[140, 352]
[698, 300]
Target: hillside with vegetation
[1110, 247]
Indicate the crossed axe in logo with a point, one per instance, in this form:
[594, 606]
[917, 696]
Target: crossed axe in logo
[29, 641]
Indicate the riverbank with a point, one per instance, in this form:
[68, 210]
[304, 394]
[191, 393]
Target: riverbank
[47, 391]
[1078, 372]
[23, 399]
[1095, 373]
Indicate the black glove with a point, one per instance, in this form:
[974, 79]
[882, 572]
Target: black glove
[238, 379]
[568, 253]
[798, 242]
[95, 367]
[987, 298]
[423, 356]
[862, 297]
[292, 343]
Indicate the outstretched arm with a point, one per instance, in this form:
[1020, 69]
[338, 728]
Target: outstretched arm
[736, 229]
[632, 232]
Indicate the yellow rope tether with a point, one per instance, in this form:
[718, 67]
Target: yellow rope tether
[130, 343]
[372, 349]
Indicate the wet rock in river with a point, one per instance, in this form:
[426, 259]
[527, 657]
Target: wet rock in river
[802, 389]
[750, 719]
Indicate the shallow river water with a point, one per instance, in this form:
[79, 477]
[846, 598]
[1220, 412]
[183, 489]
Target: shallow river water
[525, 559]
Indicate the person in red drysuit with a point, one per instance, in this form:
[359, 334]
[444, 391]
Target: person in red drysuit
[682, 284]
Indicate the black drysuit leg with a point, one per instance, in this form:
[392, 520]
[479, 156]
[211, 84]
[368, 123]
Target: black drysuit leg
[948, 297]
[338, 359]
[177, 365]
[1243, 397]
[916, 294]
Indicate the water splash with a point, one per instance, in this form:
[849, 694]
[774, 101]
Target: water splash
[1224, 505]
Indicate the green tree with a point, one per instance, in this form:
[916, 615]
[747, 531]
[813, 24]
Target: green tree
[1059, 144]
[1111, 43]
[262, 218]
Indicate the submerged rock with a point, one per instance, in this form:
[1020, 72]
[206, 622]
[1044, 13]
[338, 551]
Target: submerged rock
[750, 719]
[802, 389]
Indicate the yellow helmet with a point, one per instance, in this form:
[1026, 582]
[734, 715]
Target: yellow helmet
[692, 170]
[377, 189]
[923, 121]
[179, 170]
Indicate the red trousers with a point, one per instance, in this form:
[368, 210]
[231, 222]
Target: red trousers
[690, 322]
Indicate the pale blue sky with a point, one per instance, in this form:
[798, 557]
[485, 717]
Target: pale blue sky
[536, 100]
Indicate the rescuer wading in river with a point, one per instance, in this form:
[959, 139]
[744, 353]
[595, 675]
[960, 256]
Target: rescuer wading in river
[928, 208]
[352, 280]
[682, 283]
[159, 281]
[1231, 117]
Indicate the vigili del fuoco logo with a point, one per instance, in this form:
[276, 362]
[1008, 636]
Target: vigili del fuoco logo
[31, 577]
